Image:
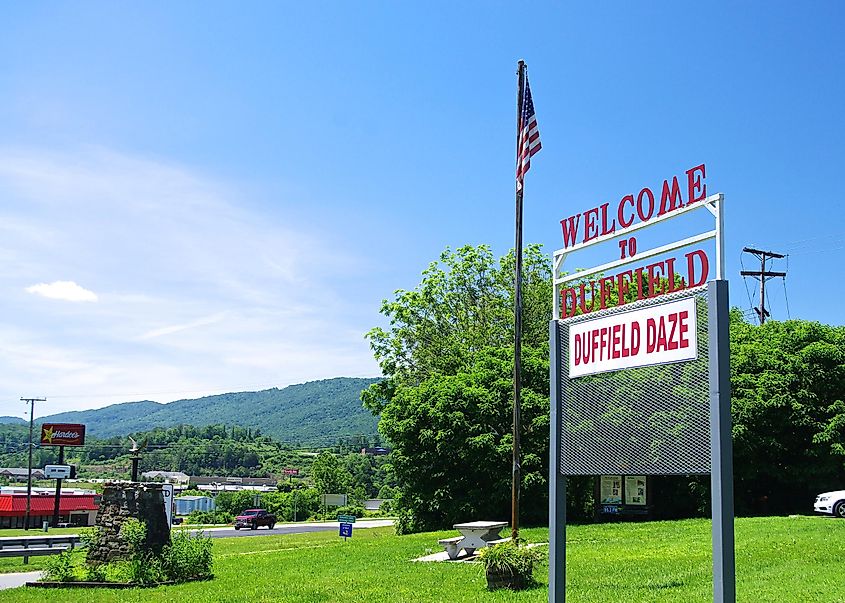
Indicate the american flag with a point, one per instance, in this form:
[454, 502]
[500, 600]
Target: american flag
[529, 136]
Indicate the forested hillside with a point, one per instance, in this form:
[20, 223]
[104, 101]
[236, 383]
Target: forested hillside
[314, 414]
[209, 450]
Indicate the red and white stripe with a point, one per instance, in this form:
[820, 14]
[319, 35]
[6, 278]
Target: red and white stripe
[529, 139]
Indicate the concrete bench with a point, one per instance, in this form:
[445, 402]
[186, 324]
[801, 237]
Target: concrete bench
[451, 546]
[499, 541]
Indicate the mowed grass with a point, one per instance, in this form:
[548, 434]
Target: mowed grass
[779, 560]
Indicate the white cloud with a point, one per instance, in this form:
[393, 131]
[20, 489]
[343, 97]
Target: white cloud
[64, 290]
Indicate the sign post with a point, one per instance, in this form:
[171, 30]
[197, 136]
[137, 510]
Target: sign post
[346, 522]
[640, 364]
[57, 500]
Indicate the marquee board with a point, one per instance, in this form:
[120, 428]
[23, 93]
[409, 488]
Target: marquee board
[639, 361]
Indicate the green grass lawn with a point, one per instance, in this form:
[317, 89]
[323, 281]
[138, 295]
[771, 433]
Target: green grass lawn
[779, 560]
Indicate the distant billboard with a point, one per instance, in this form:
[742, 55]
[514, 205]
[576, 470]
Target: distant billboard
[62, 434]
[333, 500]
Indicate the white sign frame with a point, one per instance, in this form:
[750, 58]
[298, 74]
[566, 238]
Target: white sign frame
[713, 204]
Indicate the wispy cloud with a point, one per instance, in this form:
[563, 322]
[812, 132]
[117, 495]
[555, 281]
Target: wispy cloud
[171, 329]
[63, 290]
[196, 288]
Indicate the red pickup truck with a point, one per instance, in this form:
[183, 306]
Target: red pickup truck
[252, 518]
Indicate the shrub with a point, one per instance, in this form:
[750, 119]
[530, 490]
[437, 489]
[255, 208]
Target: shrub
[355, 510]
[188, 556]
[60, 567]
[94, 572]
[209, 517]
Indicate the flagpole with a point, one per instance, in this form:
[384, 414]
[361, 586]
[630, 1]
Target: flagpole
[517, 336]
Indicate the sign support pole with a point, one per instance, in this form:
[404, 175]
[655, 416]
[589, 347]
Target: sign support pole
[557, 482]
[721, 448]
[58, 489]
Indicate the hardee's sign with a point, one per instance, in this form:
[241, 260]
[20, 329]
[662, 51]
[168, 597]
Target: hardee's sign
[62, 434]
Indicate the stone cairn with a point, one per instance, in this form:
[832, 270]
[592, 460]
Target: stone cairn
[122, 501]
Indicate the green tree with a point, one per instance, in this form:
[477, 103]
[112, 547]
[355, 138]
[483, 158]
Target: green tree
[328, 474]
[788, 406]
[446, 402]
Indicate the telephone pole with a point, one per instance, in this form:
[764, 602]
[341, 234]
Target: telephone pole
[762, 274]
[32, 402]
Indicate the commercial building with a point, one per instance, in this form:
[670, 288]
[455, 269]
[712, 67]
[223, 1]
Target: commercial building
[74, 508]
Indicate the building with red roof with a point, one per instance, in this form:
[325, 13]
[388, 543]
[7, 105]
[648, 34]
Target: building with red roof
[74, 508]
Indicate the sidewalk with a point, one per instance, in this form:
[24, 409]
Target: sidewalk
[16, 580]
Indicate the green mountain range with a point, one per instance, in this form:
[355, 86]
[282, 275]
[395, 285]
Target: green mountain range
[12, 420]
[317, 413]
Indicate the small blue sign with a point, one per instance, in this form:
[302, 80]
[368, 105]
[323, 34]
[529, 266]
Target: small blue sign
[610, 509]
[346, 530]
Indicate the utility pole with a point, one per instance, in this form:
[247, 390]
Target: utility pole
[762, 274]
[32, 402]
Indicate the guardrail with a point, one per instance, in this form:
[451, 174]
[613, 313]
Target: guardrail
[35, 546]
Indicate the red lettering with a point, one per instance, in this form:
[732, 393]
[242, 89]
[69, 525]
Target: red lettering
[645, 216]
[670, 276]
[603, 340]
[622, 286]
[605, 284]
[619, 215]
[683, 327]
[695, 184]
[614, 350]
[595, 344]
[705, 267]
[578, 346]
[671, 343]
[567, 310]
[670, 200]
[661, 336]
[655, 287]
[604, 229]
[583, 296]
[650, 335]
[639, 273]
[591, 230]
[569, 226]
[626, 349]
[635, 338]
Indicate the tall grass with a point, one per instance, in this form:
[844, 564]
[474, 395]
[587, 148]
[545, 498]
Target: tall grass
[779, 560]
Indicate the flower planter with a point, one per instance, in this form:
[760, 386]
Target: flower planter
[505, 578]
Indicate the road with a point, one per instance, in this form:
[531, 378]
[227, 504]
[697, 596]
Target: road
[295, 528]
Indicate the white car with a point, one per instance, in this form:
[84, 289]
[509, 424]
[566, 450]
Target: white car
[832, 503]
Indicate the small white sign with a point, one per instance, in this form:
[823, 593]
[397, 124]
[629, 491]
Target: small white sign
[655, 335]
[167, 492]
[57, 471]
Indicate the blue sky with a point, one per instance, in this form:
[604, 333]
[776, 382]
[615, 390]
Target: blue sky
[232, 190]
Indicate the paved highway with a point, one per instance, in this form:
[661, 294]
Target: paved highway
[295, 528]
